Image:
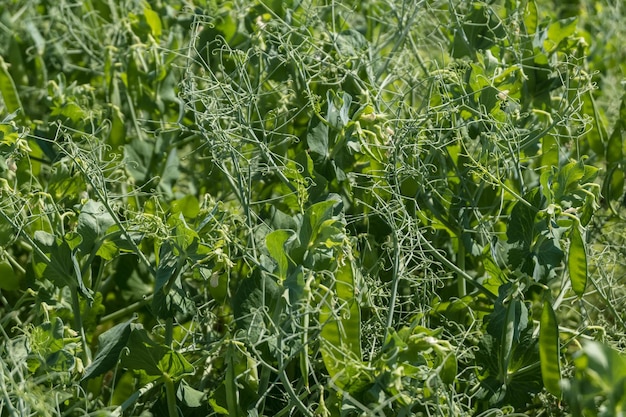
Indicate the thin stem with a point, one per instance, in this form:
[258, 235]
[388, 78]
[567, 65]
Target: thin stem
[78, 324]
[170, 394]
[169, 331]
[461, 273]
[116, 315]
[394, 286]
[460, 260]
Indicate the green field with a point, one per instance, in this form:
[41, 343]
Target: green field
[312, 208]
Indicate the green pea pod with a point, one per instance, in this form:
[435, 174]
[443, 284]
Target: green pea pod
[8, 90]
[508, 336]
[340, 318]
[549, 354]
[577, 261]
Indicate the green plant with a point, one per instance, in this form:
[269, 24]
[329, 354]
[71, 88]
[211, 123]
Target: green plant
[382, 208]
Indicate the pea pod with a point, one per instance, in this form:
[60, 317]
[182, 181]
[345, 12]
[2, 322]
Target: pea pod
[8, 278]
[549, 354]
[8, 90]
[340, 318]
[577, 262]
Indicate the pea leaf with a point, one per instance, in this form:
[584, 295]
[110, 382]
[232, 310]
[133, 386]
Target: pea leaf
[143, 354]
[189, 396]
[317, 140]
[93, 222]
[110, 345]
[275, 242]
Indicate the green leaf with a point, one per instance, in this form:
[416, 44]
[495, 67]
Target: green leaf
[110, 345]
[93, 222]
[577, 261]
[567, 179]
[315, 223]
[550, 152]
[254, 295]
[137, 159]
[188, 206]
[168, 263]
[338, 117]
[549, 353]
[189, 396]
[558, 31]
[351, 312]
[449, 371]
[170, 172]
[350, 43]
[530, 17]
[294, 284]
[175, 365]
[63, 268]
[70, 110]
[143, 353]
[506, 324]
[317, 140]
[275, 242]
[153, 20]
[599, 381]
[481, 29]
[522, 222]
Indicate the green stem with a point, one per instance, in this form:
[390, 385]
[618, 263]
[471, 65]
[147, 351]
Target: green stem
[132, 399]
[394, 286]
[170, 393]
[461, 273]
[169, 331]
[460, 260]
[116, 315]
[78, 324]
[5, 394]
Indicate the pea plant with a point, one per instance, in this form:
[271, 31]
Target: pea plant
[380, 208]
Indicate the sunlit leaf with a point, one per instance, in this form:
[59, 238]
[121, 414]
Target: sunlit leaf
[153, 20]
[275, 242]
[93, 222]
[530, 17]
[8, 90]
[188, 206]
[558, 31]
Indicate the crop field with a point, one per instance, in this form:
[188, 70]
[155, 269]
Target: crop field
[312, 208]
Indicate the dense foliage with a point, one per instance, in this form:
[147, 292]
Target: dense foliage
[312, 208]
